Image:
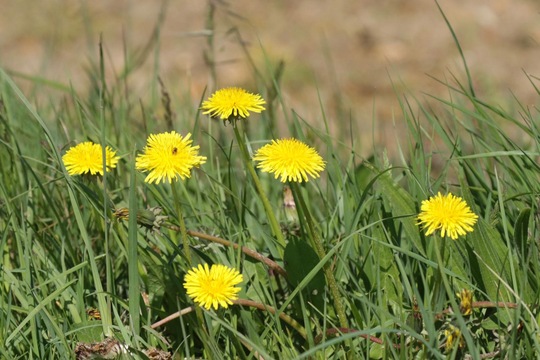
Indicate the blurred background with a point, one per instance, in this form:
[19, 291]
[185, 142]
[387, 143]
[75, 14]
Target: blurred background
[354, 55]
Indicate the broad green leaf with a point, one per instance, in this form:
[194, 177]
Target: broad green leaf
[488, 255]
[523, 247]
[390, 279]
[521, 229]
[402, 206]
[376, 351]
[300, 259]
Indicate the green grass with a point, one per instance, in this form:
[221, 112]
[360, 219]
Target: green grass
[64, 252]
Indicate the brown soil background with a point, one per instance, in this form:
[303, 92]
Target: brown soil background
[354, 48]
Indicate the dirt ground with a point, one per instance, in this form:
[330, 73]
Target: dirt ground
[357, 48]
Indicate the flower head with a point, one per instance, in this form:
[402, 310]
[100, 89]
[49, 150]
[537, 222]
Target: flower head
[465, 297]
[88, 157]
[230, 103]
[211, 287]
[453, 337]
[168, 156]
[449, 213]
[290, 159]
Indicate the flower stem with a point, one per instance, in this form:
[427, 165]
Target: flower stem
[183, 231]
[276, 229]
[316, 243]
[450, 293]
[187, 253]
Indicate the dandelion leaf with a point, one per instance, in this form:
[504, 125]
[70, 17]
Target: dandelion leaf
[402, 206]
[521, 230]
[523, 248]
[390, 279]
[489, 258]
[300, 259]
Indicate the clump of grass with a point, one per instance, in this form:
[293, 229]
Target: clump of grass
[336, 267]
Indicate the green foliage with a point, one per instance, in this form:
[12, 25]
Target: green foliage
[68, 245]
[297, 271]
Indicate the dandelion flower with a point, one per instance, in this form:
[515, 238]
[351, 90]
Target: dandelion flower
[449, 213]
[168, 156]
[465, 297]
[290, 159]
[212, 287]
[453, 337]
[88, 157]
[230, 103]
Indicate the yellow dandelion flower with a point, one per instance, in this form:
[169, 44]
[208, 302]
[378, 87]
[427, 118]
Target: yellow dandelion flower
[453, 337]
[212, 287]
[290, 159]
[88, 157]
[465, 297]
[230, 103]
[449, 213]
[168, 156]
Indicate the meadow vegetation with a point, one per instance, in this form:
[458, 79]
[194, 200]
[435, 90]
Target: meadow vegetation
[233, 228]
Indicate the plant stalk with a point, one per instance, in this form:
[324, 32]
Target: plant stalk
[276, 229]
[183, 231]
[316, 243]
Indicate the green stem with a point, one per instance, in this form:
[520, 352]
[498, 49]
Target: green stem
[209, 53]
[183, 231]
[187, 252]
[108, 259]
[451, 296]
[276, 229]
[316, 243]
